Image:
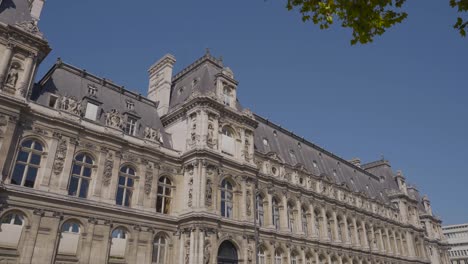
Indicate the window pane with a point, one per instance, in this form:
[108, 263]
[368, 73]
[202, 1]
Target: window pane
[84, 188]
[130, 182]
[73, 186]
[23, 156]
[159, 204]
[161, 255]
[160, 189]
[35, 159]
[87, 172]
[121, 180]
[66, 227]
[76, 170]
[223, 208]
[17, 176]
[79, 157]
[30, 177]
[119, 196]
[128, 198]
[75, 228]
[88, 159]
[155, 253]
[168, 191]
[37, 146]
[131, 171]
[27, 144]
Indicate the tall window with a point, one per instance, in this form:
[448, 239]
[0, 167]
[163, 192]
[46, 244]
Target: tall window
[275, 213]
[260, 211]
[130, 127]
[278, 257]
[81, 175]
[226, 199]
[125, 187]
[329, 226]
[69, 238]
[27, 163]
[119, 243]
[163, 202]
[228, 141]
[159, 250]
[294, 258]
[227, 95]
[290, 216]
[11, 228]
[261, 256]
[305, 227]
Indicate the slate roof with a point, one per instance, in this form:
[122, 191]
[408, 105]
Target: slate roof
[198, 77]
[282, 142]
[66, 80]
[14, 11]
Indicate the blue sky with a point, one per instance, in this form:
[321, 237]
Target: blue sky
[403, 96]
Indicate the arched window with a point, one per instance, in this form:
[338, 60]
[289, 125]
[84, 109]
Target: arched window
[278, 257]
[275, 213]
[340, 227]
[81, 175]
[227, 95]
[329, 222]
[294, 258]
[261, 256]
[119, 243]
[227, 253]
[305, 227]
[27, 163]
[226, 198]
[11, 228]
[159, 250]
[260, 211]
[163, 201]
[125, 186]
[69, 238]
[290, 216]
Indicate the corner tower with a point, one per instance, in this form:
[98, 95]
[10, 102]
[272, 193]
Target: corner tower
[22, 45]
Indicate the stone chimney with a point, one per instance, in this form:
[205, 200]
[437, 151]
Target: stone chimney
[36, 9]
[160, 81]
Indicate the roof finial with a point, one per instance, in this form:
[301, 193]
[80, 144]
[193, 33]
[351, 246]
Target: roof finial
[382, 157]
[207, 51]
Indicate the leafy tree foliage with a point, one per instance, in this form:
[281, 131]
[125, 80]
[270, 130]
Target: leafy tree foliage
[366, 18]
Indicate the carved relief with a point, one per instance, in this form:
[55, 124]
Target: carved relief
[187, 252]
[114, 119]
[70, 104]
[153, 134]
[249, 202]
[209, 192]
[3, 124]
[12, 76]
[148, 178]
[207, 252]
[211, 141]
[108, 166]
[194, 138]
[190, 185]
[60, 156]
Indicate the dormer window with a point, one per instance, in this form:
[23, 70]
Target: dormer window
[228, 141]
[92, 90]
[130, 105]
[227, 95]
[130, 127]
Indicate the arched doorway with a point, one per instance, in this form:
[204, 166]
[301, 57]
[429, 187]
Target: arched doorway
[227, 253]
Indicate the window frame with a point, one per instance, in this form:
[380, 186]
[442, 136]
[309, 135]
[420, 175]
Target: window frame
[126, 189]
[83, 166]
[227, 199]
[157, 244]
[163, 197]
[30, 152]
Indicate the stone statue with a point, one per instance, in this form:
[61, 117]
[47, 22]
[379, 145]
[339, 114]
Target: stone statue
[207, 253]
[114, 119]
[187, 252]
[249, 255]
[209, 192]
[153, 134]
[12, 76]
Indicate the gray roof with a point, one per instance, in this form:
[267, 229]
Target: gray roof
[14, 11]
[67, 80]
[283, 143]
[198, 77]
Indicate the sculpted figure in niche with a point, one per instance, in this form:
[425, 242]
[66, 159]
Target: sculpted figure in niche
[187, 252]
[249, 255]
[12, 76]
[209, 192]
[207, 255]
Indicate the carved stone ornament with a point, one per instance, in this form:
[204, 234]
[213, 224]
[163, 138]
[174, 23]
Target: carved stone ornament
[209, 192]
[207, 252]
[108, 166]
[3, 123]
[114, 119]
[187, 252]
[190, 191]
[12, 76]
[70, 105]
[153, 134]
[60, 156]
[249, 202]
[29, 26]
[148, 181]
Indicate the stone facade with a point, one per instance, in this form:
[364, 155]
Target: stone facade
[457, 236]
[93, 173]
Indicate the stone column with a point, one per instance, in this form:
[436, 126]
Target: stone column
[389, 244]
[299, 223]
[23, 86]
[192, 259]
[243, 204]
[87, 242]
[4, 62]
[312, 217]
[31, 237]
[374, 243]
[268, 213]
[335, 227]
[283, 215]
[364, 233]
[96, 182]
[49, 163]
[67, 166]
[340, 260]
[324, 224]
[404, 250]
[201, 245]
[395, 245]
[203, 185]
[356, 232]
[347, 234]
[410, 243]
[382, 242]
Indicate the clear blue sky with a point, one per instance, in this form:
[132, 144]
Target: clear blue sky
[404, 96]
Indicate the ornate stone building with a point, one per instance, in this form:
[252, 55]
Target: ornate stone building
[457, 237]
[94, 173]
